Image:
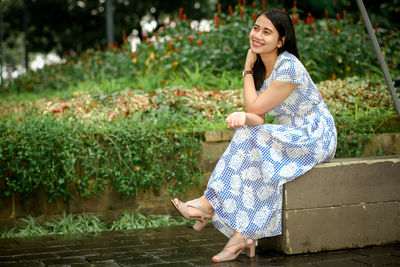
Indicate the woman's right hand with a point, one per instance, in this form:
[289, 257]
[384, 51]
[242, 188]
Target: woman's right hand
[236, 120]
[250, 60]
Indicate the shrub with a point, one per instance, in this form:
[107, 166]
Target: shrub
[66, 157]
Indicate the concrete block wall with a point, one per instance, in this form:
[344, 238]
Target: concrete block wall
[345, 203]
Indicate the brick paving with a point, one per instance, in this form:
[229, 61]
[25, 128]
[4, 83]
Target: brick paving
[172, 246]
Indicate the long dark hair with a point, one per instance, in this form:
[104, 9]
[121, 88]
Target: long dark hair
[282, 22]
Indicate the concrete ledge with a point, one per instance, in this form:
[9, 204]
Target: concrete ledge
[345, 203]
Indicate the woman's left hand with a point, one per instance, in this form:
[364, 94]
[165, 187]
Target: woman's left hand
[236, 120]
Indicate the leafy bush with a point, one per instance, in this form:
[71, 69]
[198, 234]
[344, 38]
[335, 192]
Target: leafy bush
[66, 157]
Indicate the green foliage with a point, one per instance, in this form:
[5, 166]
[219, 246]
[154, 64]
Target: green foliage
[79, 224]
[65, 157]
[181, 54]
[135, 220]
[360, 108]
[72, 224]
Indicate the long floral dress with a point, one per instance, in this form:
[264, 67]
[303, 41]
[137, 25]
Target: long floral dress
[246, 186]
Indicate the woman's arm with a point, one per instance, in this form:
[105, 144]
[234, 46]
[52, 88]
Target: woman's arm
[239, 119]
[275, 94]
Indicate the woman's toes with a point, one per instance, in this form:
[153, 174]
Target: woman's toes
[176, 201]
[215, 259]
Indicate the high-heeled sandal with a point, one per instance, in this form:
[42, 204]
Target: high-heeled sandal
[183, 209]
[226, 255]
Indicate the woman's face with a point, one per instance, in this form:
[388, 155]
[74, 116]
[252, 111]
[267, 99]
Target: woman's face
[264, 37]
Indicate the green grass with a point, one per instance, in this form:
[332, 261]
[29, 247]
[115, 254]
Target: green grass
[83, 223]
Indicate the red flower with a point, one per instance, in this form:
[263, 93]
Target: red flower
[337, 16]
[391, 36]
[335, 32]
[352, 21]
[263, 4]
[310, 18]
[330, 27]
[219, 8]
[124, 36]
[254, 16]
[344, 14]
[376, 28]
[191, 39]
[283, 9]
[254, 4]
[361, 18]
[227, 48]
[244, 3]
[230, 10]
[312, 30]
[184, 17]
[241, 12]
[180, 13]
[384, 43]
[199, 43]
[326, 13]
[216, 19]
[295, 18]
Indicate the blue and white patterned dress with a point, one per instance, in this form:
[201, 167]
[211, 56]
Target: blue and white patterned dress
[246, 186]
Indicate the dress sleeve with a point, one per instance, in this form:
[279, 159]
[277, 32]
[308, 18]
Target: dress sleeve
[289, 69]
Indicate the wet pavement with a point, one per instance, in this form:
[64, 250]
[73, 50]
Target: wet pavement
[172, 246]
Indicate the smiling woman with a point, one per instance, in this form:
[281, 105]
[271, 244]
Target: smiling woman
[244, 193]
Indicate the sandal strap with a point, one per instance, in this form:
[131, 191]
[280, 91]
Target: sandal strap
[197, 205]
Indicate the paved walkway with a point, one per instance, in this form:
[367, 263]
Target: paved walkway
[173, 246]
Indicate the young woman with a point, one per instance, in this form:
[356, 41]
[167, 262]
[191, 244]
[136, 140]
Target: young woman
[244, 194]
